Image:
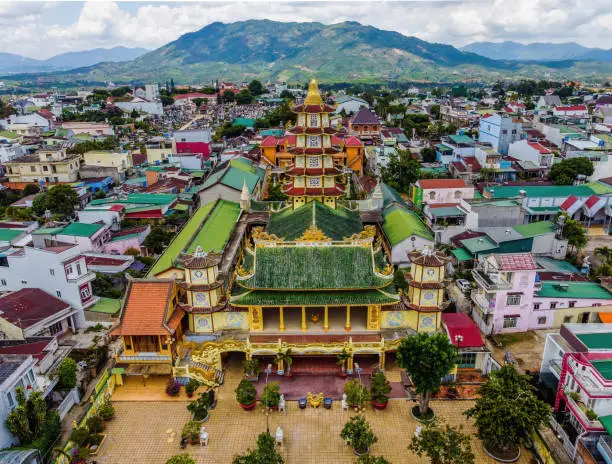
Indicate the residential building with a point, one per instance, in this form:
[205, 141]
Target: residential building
[17, 372]
[142, 105]
[499, 131]
[26, 124]
[50, 165]
[229, 179]
[196, 142]
[365, 125]
[440, 191]
[603, 101]
[99, 262]
[118, 164]
[603, 115]
[132, 206]
[573, 111]
[511, 296]
[125, 239]
[454, 147]
[10, 151]
[88, 237]
[60, 271]
[95, 129]
[576, 374]
[548, 102]
[31, 312]
[532, 156]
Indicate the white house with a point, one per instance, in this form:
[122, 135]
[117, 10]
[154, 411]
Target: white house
[10, 151]
[533, 152]
[17, 371]
[577, 111]
[499, 131]
[89, 237]
[350, 104]
[142, 105]
[547, 102]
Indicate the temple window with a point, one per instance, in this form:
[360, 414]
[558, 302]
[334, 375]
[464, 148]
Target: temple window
[313, 162]
[313, 141]
[432, 195]
[458, 194]
[314, 120]
[314, 182]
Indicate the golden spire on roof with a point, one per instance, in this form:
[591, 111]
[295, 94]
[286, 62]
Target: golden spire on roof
[313, 97]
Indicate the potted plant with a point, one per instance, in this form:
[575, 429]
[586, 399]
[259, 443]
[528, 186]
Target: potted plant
[95, 424]
[356, 394]
[106, 411]
[246, 395]
[283, 359]
[379, 387]
[191, 387]
[270, 396]
[251, 369]
[358, 433]
[199, 407]
[173, 387]
[191, 432]
[343, 357]
[302, 402]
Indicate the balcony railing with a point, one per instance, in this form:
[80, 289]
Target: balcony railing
[604, 445]
[147, 357]
[555, 367]
[86, 277]
[570, 449]
[486, 282]
[578, 410]
[485, 305]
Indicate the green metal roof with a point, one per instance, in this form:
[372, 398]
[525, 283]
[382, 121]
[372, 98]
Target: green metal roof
[536, 210]
[216, 231]
[123, 237]
[399, 223]
[6, 235]
[390, 195]
[555, 265]
[596, 340]
[535, 228]
[9, 135]
[604, 367]
[181, 207]
[569, 289]
[336, 267]
[235, 175]
[336, 224]
[479, 244]
[447, 211]
[106, 305]
[599, 188]
[166, 260]
[48, 231]
[442, 147]
[81, 229]
[461, 139]
[606, 421]
[461, 254]
[320, 298]
[246, 122]
[139, 199]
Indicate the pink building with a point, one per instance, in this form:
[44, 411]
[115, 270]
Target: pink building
[126, 239]
[193, 142]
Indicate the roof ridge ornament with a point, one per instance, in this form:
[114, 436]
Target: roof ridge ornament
[199, 252]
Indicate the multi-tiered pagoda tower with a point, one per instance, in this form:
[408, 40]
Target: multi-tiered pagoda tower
[313, 174]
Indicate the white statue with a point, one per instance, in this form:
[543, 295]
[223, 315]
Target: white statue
[279, 436]
[344, 403]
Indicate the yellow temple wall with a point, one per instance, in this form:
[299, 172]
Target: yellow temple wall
[204, 323]
[171, 273]
[269, 153]
[399, 319]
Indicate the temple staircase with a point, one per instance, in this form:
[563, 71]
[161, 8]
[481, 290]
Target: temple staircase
[188, 368]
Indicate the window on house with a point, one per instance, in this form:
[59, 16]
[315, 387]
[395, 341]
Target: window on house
[24, 282]
[432, 195]
[10, 399]
[513, 300]
[510, 322]
[567, 319]
[458, 194]
[571, 304]
[52, 272]
[45, 168]
[78, 268]
[536, 306]
[69, 269]
[553, 305]
[504, 131]
[313, 141]
[56, 328]
[541, 320]
[32, 168]
[58, 293]
[467, 360]
[513, 131]
[85, 293]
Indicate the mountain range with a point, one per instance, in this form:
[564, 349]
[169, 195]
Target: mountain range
[11, 63]
[538, 51]
[280, 51]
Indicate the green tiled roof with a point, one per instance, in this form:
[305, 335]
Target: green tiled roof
[235, 174]
[442, 147]
[390, 195]
[596, 340]
[8, 135]
[461, 139]
[479, 244]
[301, 298]
[6, 235]
[461, 254]
[535, 228]
[604, 367]
[246, 122]
[166, 260]
[217, 229]
[81, 229]
[446, 211]
[336, 224]
[590, 290]
[535, 191]
[599, 188]
[48, 231]
[399, 223]
[309, 267]
[106, 305]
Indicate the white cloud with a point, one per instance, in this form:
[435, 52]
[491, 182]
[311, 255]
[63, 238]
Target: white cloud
[30, 29]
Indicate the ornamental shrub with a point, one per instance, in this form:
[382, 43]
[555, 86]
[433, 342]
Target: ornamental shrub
[173, 387]
[67, 373]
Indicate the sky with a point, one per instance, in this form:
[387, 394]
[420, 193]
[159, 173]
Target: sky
[43, 29]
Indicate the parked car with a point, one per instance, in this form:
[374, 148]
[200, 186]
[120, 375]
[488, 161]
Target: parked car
[464, 285]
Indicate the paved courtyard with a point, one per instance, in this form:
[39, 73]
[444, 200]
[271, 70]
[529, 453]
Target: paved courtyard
[148, 432]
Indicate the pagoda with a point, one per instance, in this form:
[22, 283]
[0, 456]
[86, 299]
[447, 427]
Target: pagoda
[313, 173]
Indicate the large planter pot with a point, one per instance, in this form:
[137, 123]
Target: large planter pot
[380, 406]
[357, 453]
[327, 403]
[512, 456]
[302, 402]
[414, 411]
[275, 408]
[248, 407]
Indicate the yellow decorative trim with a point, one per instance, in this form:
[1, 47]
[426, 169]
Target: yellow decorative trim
[314, 234]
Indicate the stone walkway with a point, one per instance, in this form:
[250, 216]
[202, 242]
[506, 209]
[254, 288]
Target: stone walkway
[149, 432]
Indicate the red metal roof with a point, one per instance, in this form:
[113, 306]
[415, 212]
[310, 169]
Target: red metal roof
[568, 202]
[516, 262]
[269, 141]
[36, 349]
[571, 108]
[103, 261]
[152, 214]
[353, 141]
[459, 324]
[441, 183]
[29, 306]
[540, 148]
[592, 201]
[117, 208]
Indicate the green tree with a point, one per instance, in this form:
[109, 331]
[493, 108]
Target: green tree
[286, 95]
[60, 200]
[134, 114]
[401, 170]
[399, 279]
[507, 410]
[167, 100]
[181, 459]
[157, 239]
[275, 193]
[434, 110]
[5, 109]
[264, 453]
[244, 97]
[120, 91]
[443, 445]
[564, 92]
[28, 421]
[198, 102]
[256, 88]
[368, 459]
[575, 233]
[228, 96]
[99, 195]
[31, 189]
[104, 285]
[565, 172]
[426, 358]
[428, 155]
[67, 373]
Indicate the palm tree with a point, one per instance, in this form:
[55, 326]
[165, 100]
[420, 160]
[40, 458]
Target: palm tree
[284, 358]
[343, 358]
[604, 253]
